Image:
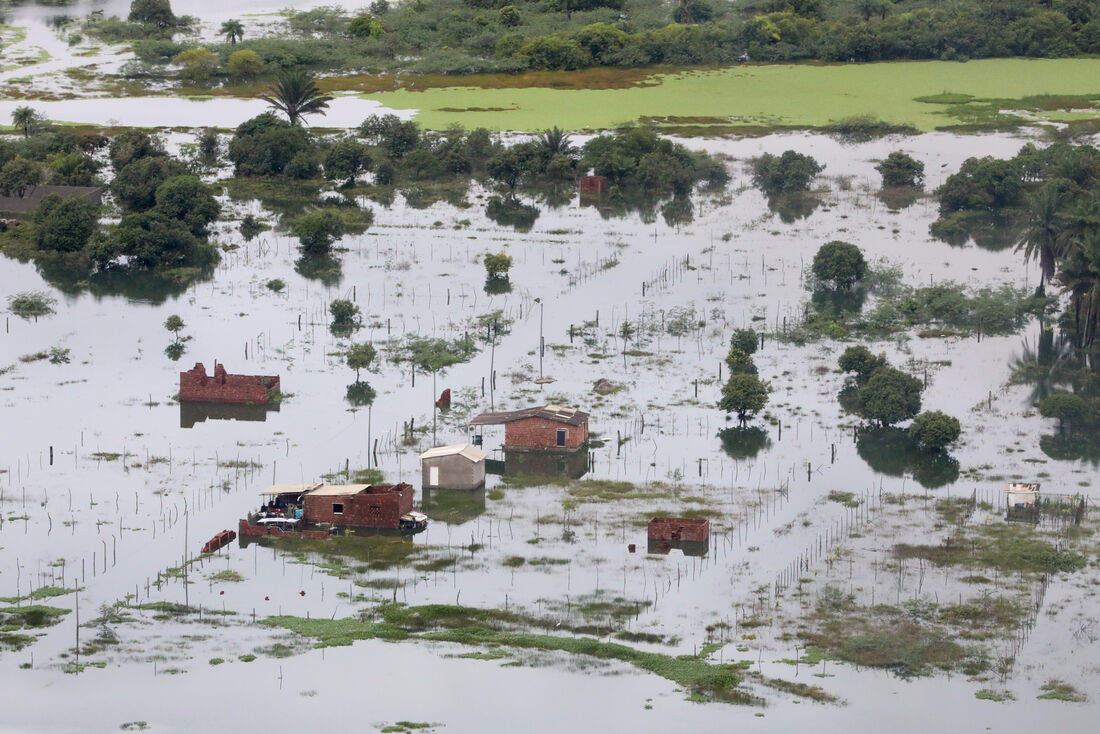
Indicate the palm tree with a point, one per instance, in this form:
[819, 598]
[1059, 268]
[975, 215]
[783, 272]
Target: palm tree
[555, 141]
[26, 119]
[295, 93]
[1080, 278]
[1047, 230]
[232, 30]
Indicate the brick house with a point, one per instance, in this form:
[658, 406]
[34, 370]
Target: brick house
[547, 428]
[358, 505]
[222, 387]
[593, 185]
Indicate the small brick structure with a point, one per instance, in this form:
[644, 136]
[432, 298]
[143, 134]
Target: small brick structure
[691, 529]
[593, 185]
[358, 505]
[198, 387]
[546, 428]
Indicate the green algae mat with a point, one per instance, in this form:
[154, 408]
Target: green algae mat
[926, 95]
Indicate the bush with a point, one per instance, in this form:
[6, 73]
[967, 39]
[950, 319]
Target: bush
[889, 396]
[746, 340]
[839, 264]
[792, 171]
[64, 225]
[318, 230]
[900, 169]
[745, 395]
[198, 63]
[344, 312]
[497, 265]
[245, 63]
[934, 430]
[1065, 407]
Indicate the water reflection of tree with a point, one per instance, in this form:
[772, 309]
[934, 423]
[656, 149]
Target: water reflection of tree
[744, 443]
[890, 451]
[988, 231]
[793, 206]
[838, 303]
[897, 198]
[508, 211]
[145, 286]
[323, 268]
[1048, 367]
[1083, 445]
[360, 393]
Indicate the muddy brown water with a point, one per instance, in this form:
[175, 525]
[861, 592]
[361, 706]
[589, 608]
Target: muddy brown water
[417, 271]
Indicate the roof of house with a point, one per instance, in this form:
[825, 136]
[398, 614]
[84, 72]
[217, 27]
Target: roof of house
[465, 450]
[338, 490]
[557, 413]
[277, 489]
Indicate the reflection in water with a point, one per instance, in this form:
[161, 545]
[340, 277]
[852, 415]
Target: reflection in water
[323, 268]
[453, 506]
[497, 286]
[744, 443]
[142, 286]
[890, 451]
[679, 211]
[1083, 445]
[897, 198]
[545, 464]
[511, 212]
[175, 350]
[360, 393]
[687, 547]
[1050, 366]
[838, 303]
[794, 206]
[988, 231]
[192, 413]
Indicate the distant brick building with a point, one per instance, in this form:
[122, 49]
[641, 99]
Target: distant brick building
[593, 185]
[358, 505]
[196, 386]
[548, 428]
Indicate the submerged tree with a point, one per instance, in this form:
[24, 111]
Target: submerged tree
[296, 94]
[359, 357]
[744, 394]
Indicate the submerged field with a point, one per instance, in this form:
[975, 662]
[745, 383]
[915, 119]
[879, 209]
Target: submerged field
[827, 590]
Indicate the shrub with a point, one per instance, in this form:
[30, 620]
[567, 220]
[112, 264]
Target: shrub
[839, 264]
[900, 169]
[934, 430]
[497, 265]
[318, 230]
[245, 63]
[791, 171]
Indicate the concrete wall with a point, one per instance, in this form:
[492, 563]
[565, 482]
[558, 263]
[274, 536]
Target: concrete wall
[455, 472]
[541, 434]
[379, 507]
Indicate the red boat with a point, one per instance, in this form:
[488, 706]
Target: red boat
[223, 538]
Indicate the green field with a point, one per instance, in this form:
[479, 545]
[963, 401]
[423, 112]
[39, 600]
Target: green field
[783, 95]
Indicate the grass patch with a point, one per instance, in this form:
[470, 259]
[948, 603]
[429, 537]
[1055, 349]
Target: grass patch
[1059, 690]
[801, 690]
[227, 575]
[848, 499]
[1006, 547]
[487, 655]
[42, 592]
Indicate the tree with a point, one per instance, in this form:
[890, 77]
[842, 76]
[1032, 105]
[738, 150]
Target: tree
[189, 200]
[73, 169]
[232, 30]
[265, 145]
[345, 160]
[152, 12]
[889, 396]
[64, 225]
[345, 314]
[365, 26]
[934, 430]
[550, 53]
[900, 169]
[245, 63]
[555, 141]
[744, 395]
[839, 264]
[359, 357]
[862, 362]
[26, 119]
[175, 325]
[497, 265]
[1065, 407]
[135, 186]
[152, 240]
[295, 94]
[198, 63]
[739, 362]
[791, 171]
[981, 183]
[506, 168]
[20, 175]
[746, 340]
[1047, 232]
[129, 146]
[318, 230]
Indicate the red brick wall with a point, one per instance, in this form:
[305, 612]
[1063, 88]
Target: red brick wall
[197, 386]
[541, 433]
[679, 528]
[377, 507]
[593, 185]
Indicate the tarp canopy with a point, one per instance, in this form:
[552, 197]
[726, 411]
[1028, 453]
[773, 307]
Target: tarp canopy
[276, 489]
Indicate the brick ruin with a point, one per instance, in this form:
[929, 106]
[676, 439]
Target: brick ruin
[196, 386]
[377, 506]
[593, 185]
[691, 529]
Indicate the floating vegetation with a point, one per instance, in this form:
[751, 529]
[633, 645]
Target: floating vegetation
[31, 304]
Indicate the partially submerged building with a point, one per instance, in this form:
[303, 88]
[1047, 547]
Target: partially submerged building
[1022, 494]
[222, 387]
[690, 535]
[358, 505]
[546, 428]
[460, 466]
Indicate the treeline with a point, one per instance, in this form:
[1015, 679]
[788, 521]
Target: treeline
[471, 36]
[1050, 197]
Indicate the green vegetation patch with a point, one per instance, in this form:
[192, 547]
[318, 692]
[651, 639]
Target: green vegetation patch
[1059, 690]
[1005, 547]
[42, 592]
[469, 626]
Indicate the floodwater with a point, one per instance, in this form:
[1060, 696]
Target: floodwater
[115, 525]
